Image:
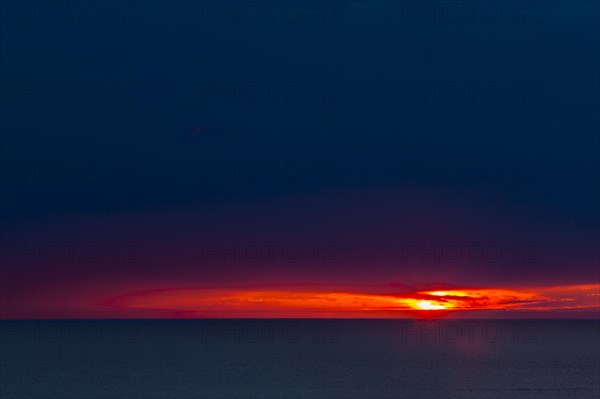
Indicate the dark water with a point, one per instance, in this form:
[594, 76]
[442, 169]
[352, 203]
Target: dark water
[300, 359]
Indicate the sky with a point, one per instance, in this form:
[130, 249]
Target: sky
[357, 159]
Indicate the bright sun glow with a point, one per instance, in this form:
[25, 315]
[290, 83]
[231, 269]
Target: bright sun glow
[429, 305]
[446, 293]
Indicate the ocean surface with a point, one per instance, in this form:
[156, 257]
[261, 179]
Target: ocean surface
[289, 358]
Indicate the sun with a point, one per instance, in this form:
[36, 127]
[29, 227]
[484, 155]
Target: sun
[429, 305]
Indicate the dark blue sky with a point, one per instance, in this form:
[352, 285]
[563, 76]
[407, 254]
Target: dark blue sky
[364, 124]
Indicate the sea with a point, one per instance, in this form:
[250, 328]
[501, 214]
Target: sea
[300, 358]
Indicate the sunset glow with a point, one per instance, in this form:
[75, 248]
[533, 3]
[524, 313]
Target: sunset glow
[240, 302]
[430, 305]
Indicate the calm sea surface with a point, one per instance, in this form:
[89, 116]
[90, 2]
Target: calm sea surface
[300, 359]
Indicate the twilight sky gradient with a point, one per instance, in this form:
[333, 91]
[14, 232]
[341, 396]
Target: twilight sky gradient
[376, 162]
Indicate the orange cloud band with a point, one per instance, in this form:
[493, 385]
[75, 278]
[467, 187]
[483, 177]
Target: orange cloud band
[201, 302]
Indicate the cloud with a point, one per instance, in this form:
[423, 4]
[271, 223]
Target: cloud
[269, 302]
